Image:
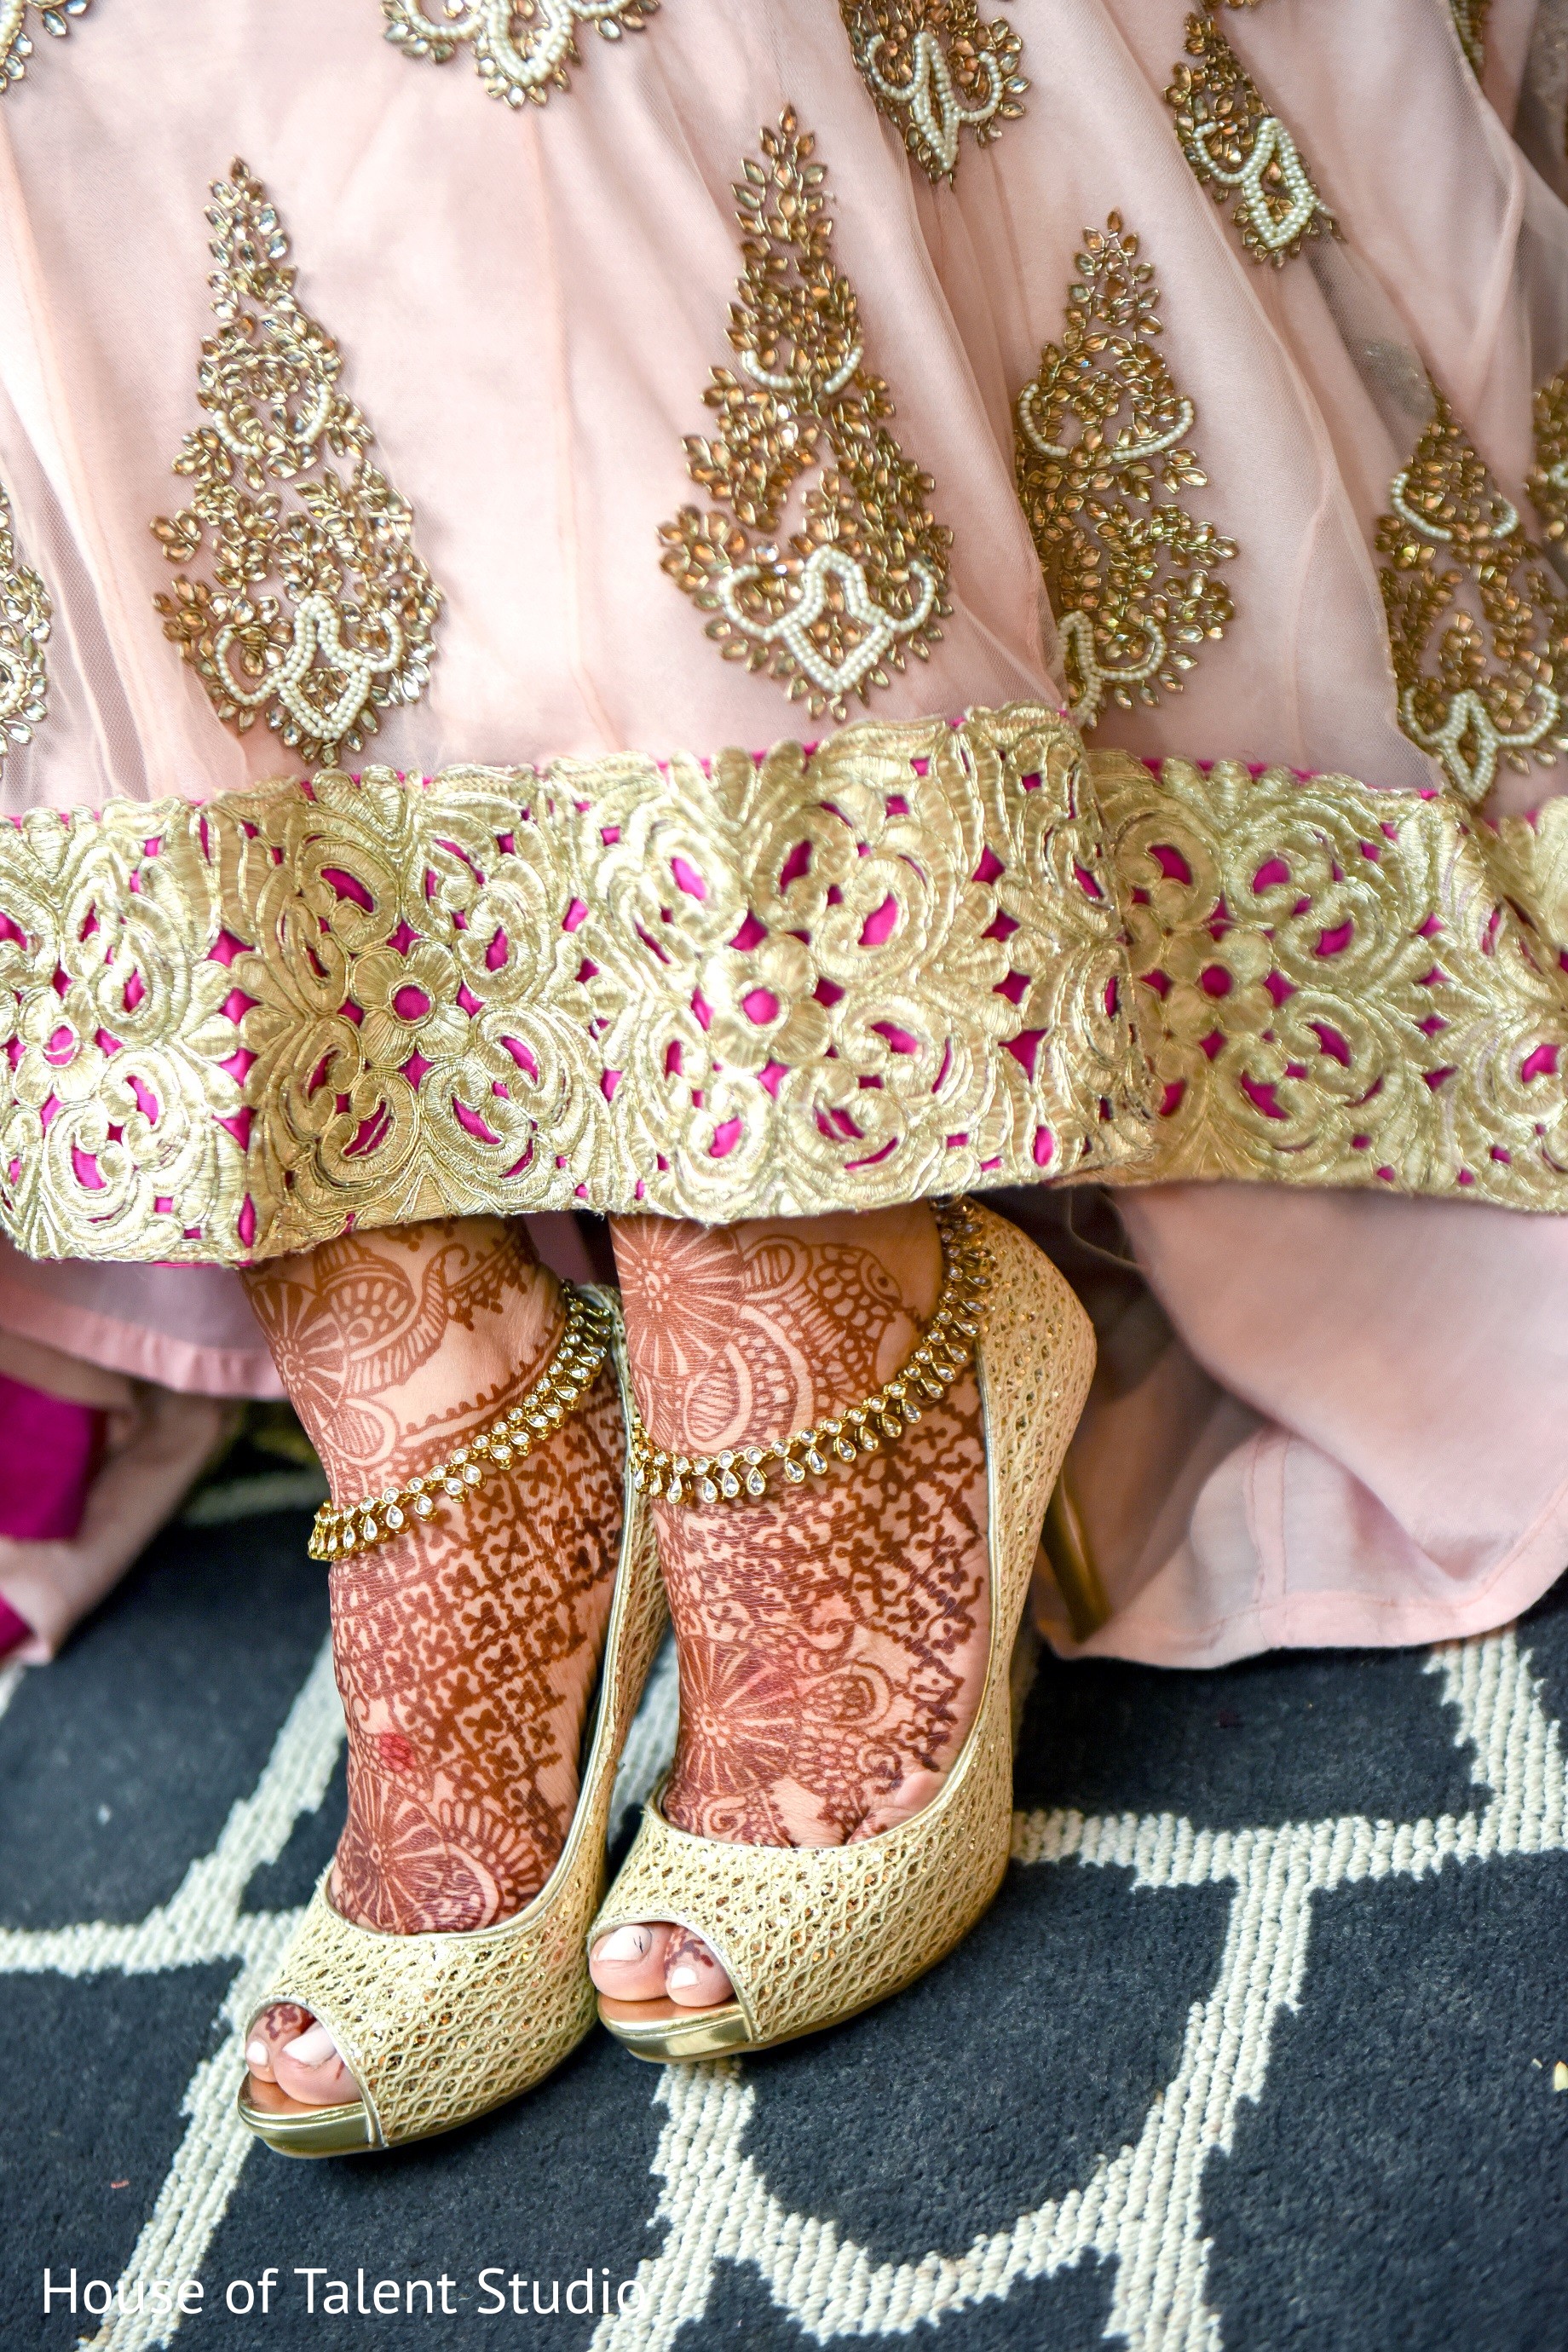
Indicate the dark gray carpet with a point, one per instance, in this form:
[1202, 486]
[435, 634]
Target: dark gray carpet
[1256, 2051]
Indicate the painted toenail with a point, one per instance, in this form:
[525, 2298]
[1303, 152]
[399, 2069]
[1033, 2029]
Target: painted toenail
[257, 2057]
[311, 2049]
[685, 1974]
[624, 1944]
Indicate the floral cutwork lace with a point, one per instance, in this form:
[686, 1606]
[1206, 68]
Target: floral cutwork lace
[25, 616]
[524, 49]
[15, 38]
[350, 632]
[936, 69]
[371, 1001]
[1238, 148]
[1477, 621]
[862, 580]
[1129, 572]
[1342, 986]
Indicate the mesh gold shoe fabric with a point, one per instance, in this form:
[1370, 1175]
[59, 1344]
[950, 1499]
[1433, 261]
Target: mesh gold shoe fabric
[437, 2029]
[809, 1935]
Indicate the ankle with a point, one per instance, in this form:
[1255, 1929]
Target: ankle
[736, 1335]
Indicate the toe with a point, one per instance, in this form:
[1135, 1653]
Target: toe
[289, 2049]
[629, 1963]
[693, 1977]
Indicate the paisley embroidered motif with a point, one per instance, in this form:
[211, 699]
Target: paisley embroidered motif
[17, 40]
[350, 631]
[1237, 147]
[936, 69]
[861, 579]
[715, 989]
[1477, 622]
[1470, 24]
[1547, 481]
[25, 616]
[1099, 427]
[524, 49]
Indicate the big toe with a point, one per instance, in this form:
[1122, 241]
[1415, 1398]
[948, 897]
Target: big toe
[289, 2049]
[629, 1963]
[693, 1977]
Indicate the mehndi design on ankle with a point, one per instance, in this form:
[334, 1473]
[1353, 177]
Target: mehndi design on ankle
[575, 1364]
[736, 1474]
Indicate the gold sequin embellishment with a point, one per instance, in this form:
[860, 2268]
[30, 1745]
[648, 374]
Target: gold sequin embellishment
[936, 69]
[1129, 571]
[861, 580]
[25, 616]
[17, 40]
[1547, 481]
[1237, 147]
[524, 49]
[350, 630]
[1477, 622]
[1470, 24]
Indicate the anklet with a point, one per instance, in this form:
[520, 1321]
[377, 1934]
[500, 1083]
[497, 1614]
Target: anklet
[573, 1368]
[741, 1474]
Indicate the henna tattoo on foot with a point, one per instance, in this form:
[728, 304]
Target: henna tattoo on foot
[833, 1640]
[464, 1648]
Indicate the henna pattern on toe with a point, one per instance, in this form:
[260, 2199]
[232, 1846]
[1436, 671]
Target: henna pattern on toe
[832, 1640]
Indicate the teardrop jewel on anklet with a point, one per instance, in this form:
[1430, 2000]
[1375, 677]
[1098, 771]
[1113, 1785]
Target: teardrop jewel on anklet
[741, 1474]
[579, 1355]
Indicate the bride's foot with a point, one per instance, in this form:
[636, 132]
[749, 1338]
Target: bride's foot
[833, 1637]
[466, 1648]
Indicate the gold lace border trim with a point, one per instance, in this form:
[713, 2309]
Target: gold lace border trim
[920, 959]
[888, 967]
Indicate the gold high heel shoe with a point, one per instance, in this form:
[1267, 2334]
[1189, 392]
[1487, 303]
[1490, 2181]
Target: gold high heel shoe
[811, 1936]
[437, 2029]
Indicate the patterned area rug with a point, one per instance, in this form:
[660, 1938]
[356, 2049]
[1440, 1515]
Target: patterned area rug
[1256, 2050]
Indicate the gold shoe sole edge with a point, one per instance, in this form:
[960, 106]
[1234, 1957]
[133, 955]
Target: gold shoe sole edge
[344, 2130]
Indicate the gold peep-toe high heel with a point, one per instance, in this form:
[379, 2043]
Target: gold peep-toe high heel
[811, 1936]
[438, 2029]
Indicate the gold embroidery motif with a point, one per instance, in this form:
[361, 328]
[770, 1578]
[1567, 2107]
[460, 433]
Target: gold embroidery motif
[524, 49]
[25, 616]
[1470, 24]
[888, 969]
[1548, 480]
[1348, 987]
[936, 69]
[1127, 572]
[371, 1003]
[350, 632]
[1237, 147]
[16, 41]
[862, 580]
[1477, 680]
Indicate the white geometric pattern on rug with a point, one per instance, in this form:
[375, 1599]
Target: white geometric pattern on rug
[1140, 2210]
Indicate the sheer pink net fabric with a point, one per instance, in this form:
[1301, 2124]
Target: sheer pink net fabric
[529, 304]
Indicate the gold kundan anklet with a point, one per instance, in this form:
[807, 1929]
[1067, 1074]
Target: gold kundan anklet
[573, 1368]
[741, 1474]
